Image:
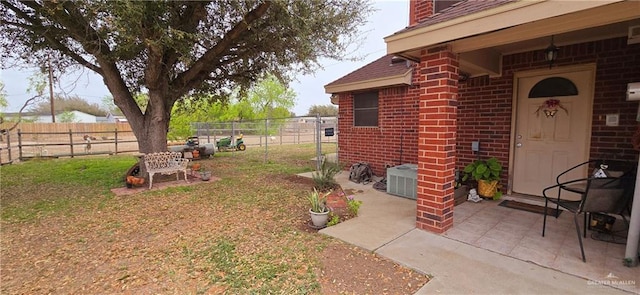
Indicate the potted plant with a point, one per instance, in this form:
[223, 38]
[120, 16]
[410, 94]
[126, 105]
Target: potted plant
[318, 211]
[487, 174]
[205, 175]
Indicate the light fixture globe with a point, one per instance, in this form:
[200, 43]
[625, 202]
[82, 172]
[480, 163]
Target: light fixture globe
[551, 53]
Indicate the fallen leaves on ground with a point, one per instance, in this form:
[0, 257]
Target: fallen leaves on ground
[246, 233]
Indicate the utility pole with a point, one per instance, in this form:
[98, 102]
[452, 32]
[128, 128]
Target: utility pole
[53, 114]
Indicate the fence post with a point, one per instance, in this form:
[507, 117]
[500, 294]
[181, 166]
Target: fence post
[266, 139]
[115, 138]
[233, 140]
[337, 146]
[318, 143]
[280, 134]
[215, 136]
[9, 145]
[71, 142]
[208, 132]
[19, 145]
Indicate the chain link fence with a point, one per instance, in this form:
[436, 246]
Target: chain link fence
[55, 141]
[258, 133]
[279, 131]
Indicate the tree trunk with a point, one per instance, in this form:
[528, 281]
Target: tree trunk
[156, 122]
[151, 127]
[153, 136]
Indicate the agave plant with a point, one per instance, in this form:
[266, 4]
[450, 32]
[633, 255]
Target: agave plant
[318, 201]
[325, 178]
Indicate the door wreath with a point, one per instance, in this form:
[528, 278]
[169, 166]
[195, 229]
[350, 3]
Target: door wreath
[550, 107]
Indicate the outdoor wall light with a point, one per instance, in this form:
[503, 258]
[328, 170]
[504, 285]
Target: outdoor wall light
[551, 53]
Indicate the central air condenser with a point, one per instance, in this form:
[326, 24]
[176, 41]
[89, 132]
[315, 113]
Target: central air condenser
[402, 180]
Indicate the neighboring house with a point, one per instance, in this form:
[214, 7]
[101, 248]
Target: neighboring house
[77, 116]
[476, 71]
[111, 118]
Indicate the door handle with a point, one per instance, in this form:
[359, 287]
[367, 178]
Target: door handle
[519, 144]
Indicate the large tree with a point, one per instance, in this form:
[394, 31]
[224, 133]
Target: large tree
[175, 49]
[323, 110]
[271, 99]
[69, 103]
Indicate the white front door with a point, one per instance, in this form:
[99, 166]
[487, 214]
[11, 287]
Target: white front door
[548, 144]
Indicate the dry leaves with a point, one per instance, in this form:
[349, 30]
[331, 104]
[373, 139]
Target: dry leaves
[246, 233]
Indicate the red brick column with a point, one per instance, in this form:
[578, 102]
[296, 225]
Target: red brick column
[419, 10]
[437, 139]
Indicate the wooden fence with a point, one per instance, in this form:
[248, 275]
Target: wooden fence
[54, 140]
[33, 140]
[64, 127]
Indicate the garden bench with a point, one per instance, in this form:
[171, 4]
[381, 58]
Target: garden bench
[165, 163]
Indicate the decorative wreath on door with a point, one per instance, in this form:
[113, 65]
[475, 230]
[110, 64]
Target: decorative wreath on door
[550, 107]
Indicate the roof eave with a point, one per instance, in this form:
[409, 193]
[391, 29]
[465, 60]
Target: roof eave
[403, 79]
[504, 16]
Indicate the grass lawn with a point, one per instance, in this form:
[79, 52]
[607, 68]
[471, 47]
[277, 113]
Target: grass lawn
[63, 231]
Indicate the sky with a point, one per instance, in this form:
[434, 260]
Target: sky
[389, 17]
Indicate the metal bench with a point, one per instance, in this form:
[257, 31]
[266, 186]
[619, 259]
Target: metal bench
[165, 163]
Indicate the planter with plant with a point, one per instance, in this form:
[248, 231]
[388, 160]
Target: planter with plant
[205, 175]
[487, 174]
[318, 211]
[353, 205]
[324, 179]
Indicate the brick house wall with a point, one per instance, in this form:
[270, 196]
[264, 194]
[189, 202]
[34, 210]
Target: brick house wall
[484, 110]
[394, 142]
[484, 104]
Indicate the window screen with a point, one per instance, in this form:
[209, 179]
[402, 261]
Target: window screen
[365, 109]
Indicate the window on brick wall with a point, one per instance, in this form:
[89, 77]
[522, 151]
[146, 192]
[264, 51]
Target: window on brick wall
[365, 109]
[439, 5]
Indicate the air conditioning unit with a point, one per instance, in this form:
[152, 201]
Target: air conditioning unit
[634, 35]
[402, 180]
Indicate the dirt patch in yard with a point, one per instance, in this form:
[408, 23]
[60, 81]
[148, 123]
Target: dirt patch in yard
[243, 234]
[352, 270]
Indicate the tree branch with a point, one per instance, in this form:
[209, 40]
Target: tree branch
[81, 31]
[195, 12]
[49, 33]
[200, 69]
[26, 103]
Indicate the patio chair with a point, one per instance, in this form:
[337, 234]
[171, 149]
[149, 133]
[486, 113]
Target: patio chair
[609, 191]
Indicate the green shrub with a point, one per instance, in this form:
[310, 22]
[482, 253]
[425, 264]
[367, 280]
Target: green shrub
[324, 179]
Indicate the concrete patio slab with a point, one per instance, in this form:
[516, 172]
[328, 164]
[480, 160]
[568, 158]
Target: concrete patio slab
[459, 268]
[381, 219]
[386, 225]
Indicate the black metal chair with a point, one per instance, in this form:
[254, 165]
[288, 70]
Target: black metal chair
[609, 193]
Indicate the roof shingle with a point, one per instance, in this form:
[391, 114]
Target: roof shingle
[384, 68]
[457, 10]
[377, 69]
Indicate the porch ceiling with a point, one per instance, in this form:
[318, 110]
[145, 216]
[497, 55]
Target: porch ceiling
[480, 51]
